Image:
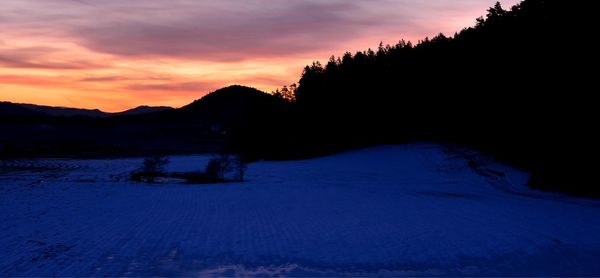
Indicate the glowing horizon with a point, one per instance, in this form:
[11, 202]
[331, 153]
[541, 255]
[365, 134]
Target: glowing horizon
[116, 55]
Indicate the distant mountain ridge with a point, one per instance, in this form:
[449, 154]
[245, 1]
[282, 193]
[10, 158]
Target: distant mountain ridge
[232, 118]
[25, 109]
[11, 109]
[226, 103]
[143, 109]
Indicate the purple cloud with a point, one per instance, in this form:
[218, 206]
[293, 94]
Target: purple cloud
[114, 78]
[175, 87]
[229, 35]
[231, 30]
[37, 58]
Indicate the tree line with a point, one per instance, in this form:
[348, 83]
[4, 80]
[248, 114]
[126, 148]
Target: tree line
[510, 86]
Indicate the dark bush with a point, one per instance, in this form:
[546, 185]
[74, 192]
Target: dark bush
[213, 168]
[219, 166]
[152, 167]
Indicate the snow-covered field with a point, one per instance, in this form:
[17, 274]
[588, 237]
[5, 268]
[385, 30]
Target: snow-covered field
[390, 210]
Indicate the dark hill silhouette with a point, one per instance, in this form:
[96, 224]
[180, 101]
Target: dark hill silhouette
[224, 106]
[238, 118]
[234, 103]
[232, 98]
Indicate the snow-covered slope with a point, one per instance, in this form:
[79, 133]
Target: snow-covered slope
[390, 210]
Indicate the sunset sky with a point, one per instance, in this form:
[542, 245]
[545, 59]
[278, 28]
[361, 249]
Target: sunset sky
[116, 54]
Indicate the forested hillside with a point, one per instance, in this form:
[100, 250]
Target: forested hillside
[514, 86]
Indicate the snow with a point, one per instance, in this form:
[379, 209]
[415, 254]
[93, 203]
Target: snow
[406, 210]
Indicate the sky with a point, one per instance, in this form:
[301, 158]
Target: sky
[115, 54]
